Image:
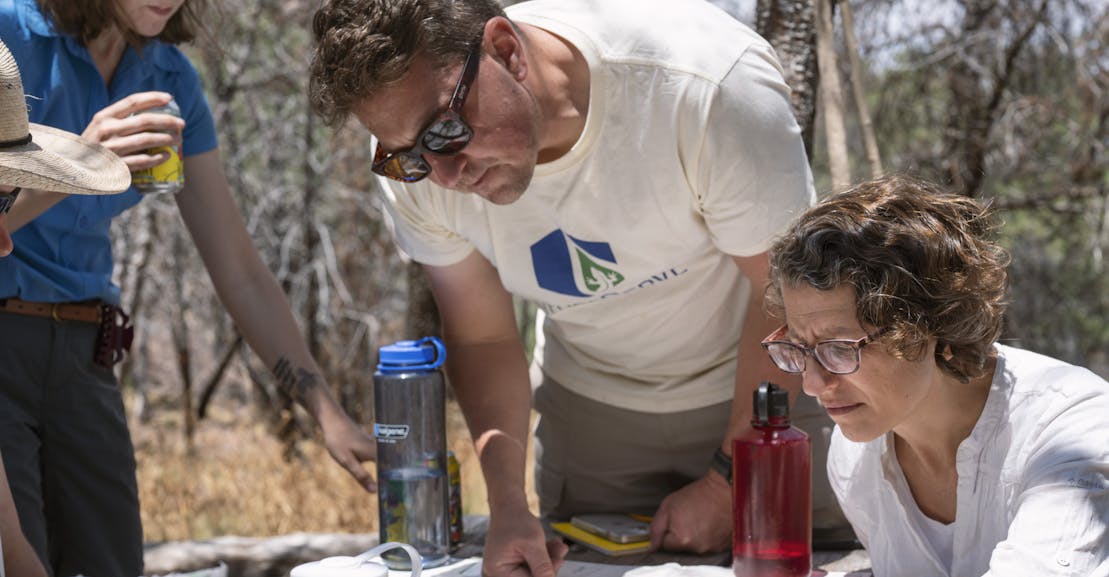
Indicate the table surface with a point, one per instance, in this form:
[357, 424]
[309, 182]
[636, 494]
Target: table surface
[852, 562]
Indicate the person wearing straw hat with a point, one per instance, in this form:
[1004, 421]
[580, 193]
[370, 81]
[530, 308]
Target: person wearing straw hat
[40, 157]
[88, 67]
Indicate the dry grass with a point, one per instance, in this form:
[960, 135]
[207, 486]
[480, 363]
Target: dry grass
[235, 482]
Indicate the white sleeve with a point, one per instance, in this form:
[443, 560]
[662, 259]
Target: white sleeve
[843, 471]
[1060, 525]
[418, 217]
[752, 175]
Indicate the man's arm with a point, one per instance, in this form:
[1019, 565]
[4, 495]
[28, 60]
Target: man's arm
[698, 517]
[487, 368]
[755, 365]
[248, 290]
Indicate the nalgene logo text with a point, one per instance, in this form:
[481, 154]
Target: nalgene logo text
[390, 433]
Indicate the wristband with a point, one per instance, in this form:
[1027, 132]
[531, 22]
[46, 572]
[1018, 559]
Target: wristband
[722, 464]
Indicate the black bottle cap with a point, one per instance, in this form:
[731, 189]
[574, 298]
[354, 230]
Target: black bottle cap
[771, 402]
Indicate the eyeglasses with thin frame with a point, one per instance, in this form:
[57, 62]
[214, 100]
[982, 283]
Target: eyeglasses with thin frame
[8, 199]
[447, 134]
[837, 356]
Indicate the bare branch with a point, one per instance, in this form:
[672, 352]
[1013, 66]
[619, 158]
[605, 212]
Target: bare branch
[874, 158]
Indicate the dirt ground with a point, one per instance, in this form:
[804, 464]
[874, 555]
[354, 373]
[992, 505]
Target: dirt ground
[234, 481]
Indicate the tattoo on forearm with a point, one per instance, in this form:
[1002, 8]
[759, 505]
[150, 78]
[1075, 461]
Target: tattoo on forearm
[295, 381]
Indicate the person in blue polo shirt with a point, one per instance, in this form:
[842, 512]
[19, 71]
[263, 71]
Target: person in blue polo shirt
[32, 155]
[88, 67]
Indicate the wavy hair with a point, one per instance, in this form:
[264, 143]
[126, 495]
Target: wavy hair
[363, 46]
[921, 261]
[86, 19]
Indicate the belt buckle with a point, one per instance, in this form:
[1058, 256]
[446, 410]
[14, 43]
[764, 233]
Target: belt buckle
[54, 312]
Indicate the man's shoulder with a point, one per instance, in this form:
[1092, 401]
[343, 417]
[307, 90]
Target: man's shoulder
[691, 36]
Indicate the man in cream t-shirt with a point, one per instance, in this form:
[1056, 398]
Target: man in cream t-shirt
[625, 168]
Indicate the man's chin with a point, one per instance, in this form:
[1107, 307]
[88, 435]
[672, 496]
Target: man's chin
[502, 197]
[501, 193]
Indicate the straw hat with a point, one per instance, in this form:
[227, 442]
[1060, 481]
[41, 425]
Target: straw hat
[45, 158]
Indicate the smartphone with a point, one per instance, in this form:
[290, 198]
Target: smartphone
[614, 527]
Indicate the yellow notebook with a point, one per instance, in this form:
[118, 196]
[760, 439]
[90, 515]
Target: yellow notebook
[599, 543]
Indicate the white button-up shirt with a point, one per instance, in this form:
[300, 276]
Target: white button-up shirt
[1033, 489]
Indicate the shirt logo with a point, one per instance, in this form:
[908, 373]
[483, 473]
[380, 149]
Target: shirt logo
[574, 267]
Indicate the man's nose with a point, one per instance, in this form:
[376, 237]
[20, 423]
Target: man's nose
[446, 170]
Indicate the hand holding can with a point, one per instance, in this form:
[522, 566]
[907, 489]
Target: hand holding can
[169, 176]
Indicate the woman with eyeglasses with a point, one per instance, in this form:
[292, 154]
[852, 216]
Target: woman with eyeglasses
[953, 455]
[90, 67]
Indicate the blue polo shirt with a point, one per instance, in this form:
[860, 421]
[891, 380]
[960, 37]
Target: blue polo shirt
[65, 254]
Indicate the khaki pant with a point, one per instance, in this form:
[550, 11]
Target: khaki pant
[594, 458]
[591, 457]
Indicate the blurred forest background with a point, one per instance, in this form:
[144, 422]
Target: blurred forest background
[1004, 100]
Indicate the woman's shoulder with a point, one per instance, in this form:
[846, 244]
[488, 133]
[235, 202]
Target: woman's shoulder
[24, 19]
[168, 57]
[1053, 408]
[11, 22]
[1036, 380]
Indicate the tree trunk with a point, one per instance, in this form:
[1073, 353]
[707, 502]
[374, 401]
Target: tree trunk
[253, 556]
[142, 272]
[977, 83]
[790, 27]
[181, 338]
[873, 156]
[831, 94]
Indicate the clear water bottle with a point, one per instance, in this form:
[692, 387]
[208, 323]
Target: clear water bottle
[772, 504]
[410, 428]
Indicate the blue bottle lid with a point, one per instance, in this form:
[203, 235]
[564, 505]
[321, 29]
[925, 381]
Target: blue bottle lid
[426, 354]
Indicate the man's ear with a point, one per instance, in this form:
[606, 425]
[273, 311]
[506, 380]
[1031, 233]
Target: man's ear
[504, 43]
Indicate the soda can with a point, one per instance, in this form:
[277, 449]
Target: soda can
[169, 176]
[454, 476]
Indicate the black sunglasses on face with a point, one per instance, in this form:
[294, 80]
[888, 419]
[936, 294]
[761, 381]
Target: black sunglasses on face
[447, 134]
[7, 200]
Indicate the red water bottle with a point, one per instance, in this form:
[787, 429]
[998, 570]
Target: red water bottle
[772, 499]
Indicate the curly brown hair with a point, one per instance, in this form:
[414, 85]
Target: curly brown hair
[365, 45]
[921, 261]
[86, 19]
